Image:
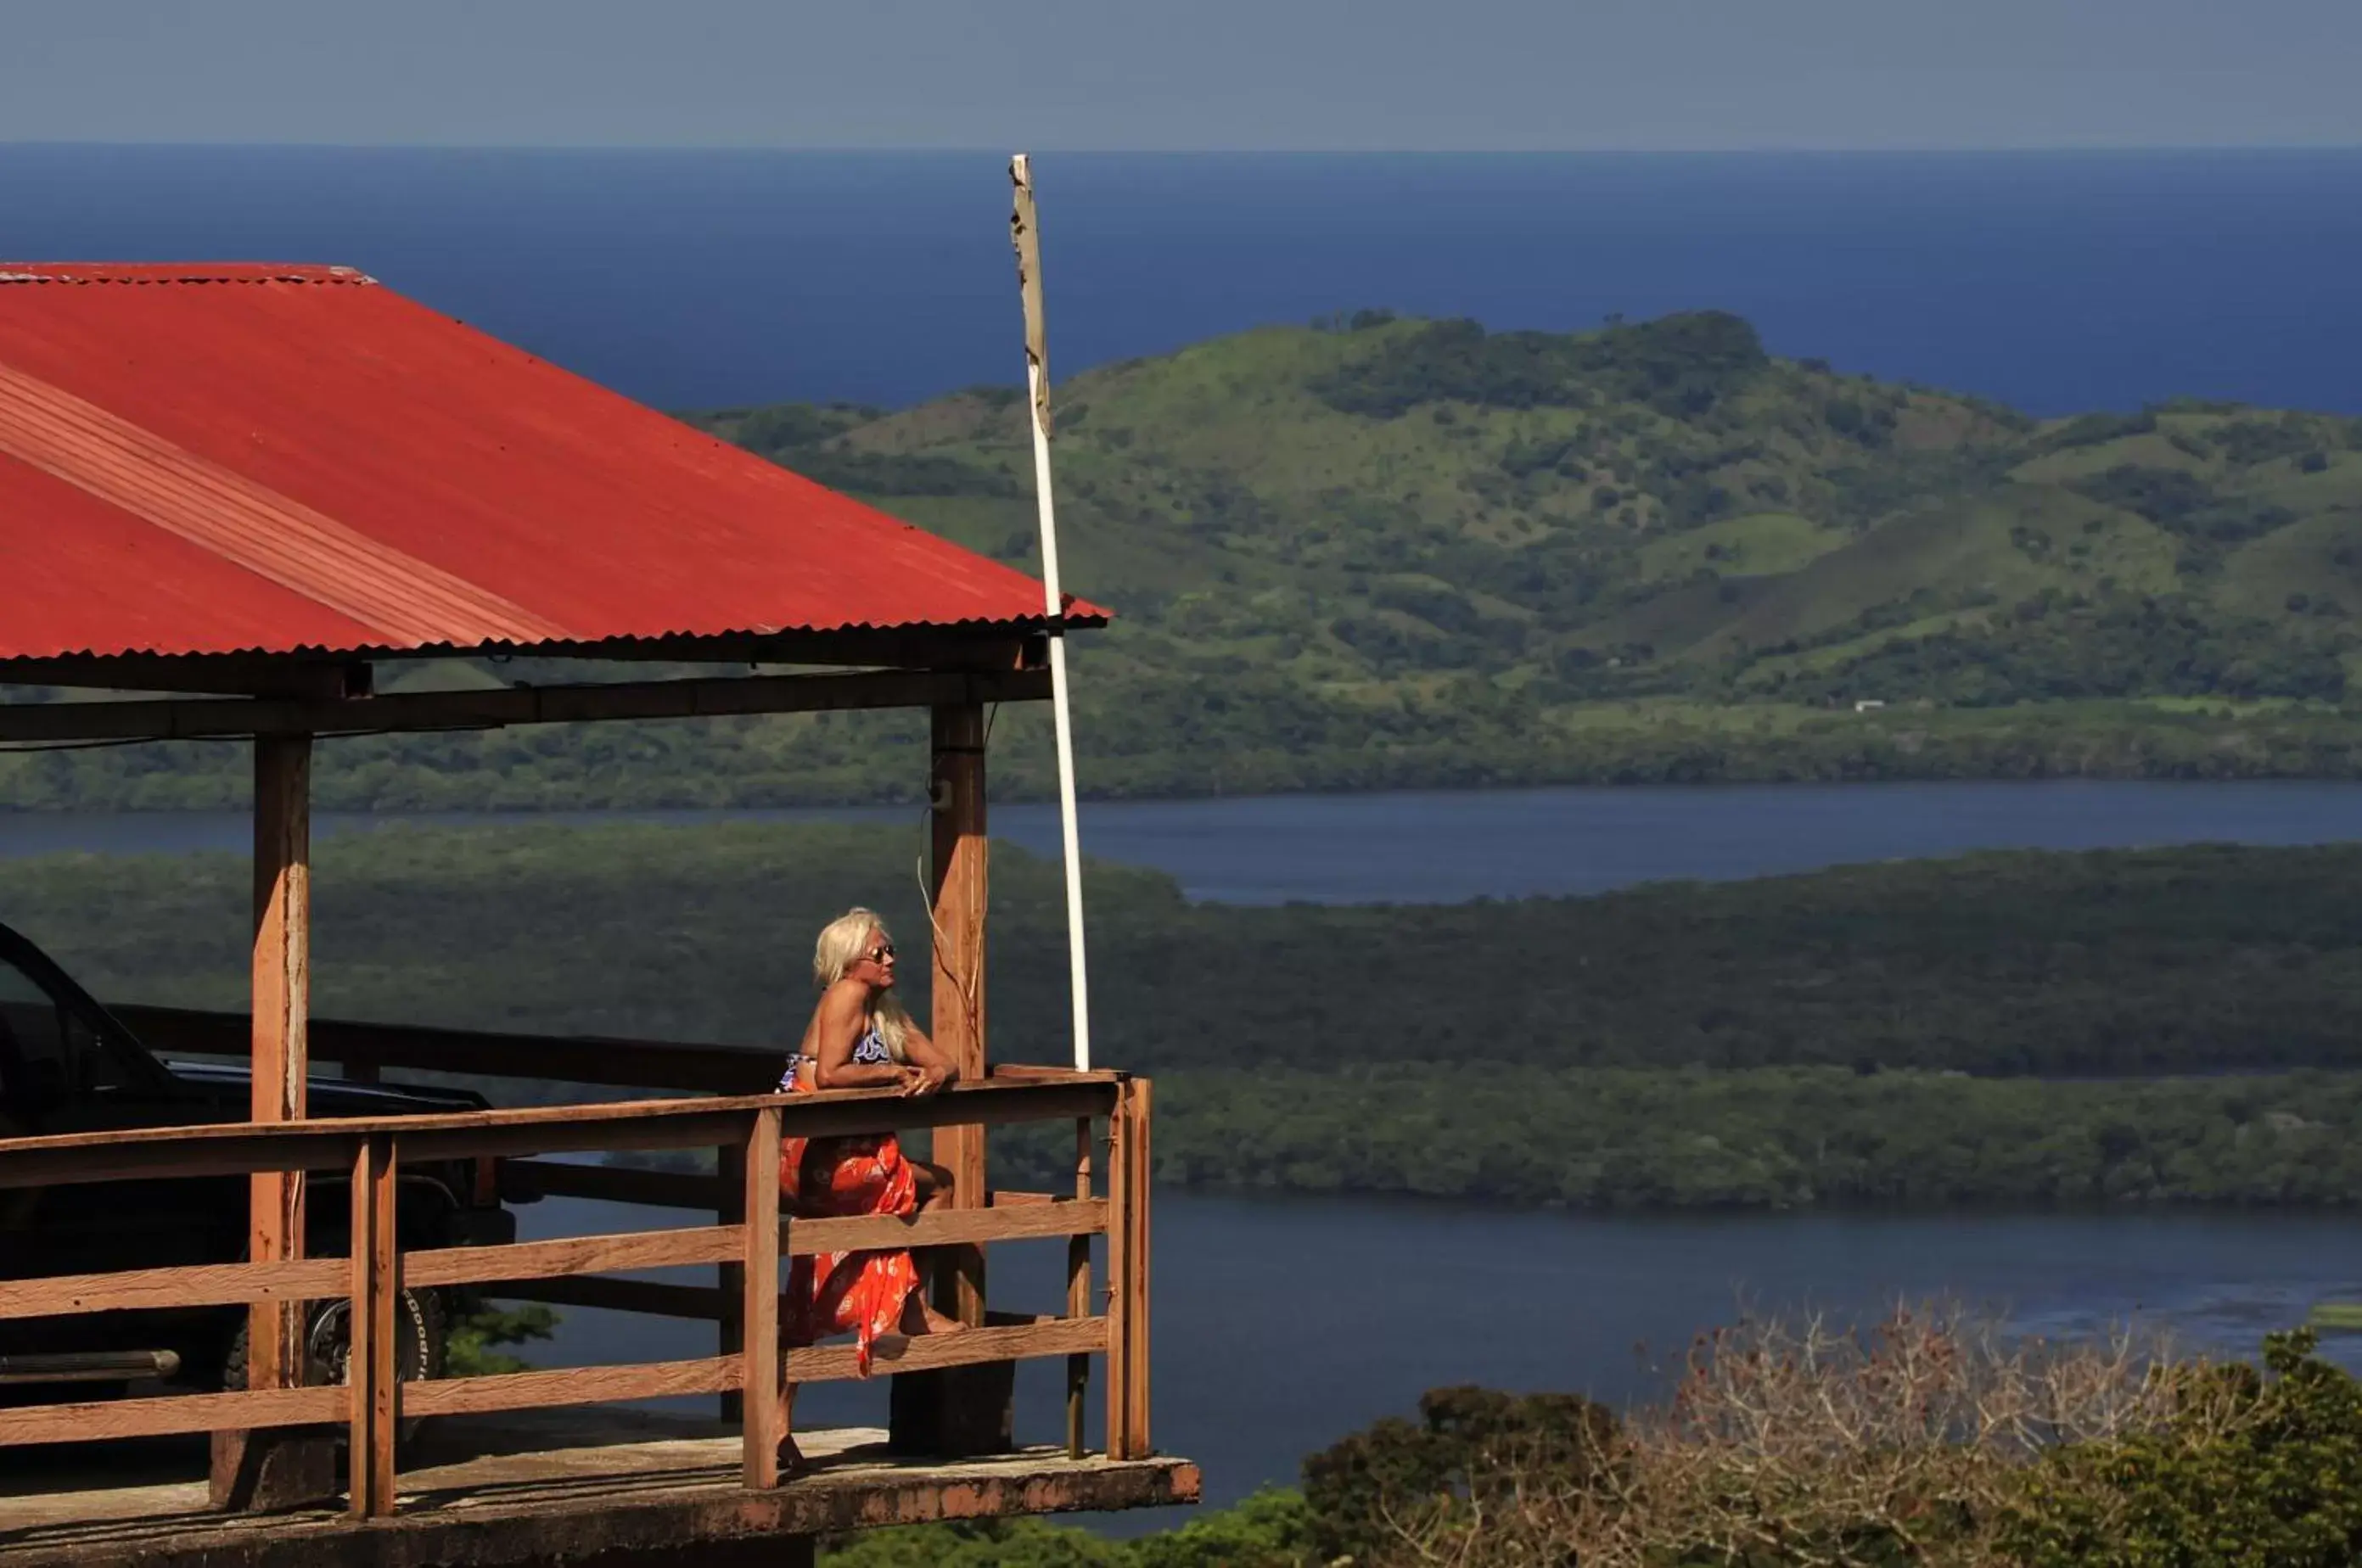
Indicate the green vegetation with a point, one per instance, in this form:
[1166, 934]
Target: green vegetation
[1927, 1439]
[2335, 1318]
[2158, 1026]
[474, 1348]
[1766, 1137]
[1390, 553]
[1268, 1531]
[2263, 1469]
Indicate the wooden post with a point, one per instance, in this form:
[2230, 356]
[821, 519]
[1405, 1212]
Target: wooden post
[1128, 1168]
[283, 994]
[1078, 1294]
[759, 1301]
[248, 1472]
[1119, 1270]
[730, 1166]
[958, 878]
[961, 1410]
[1135, 1322]
[373, 1372]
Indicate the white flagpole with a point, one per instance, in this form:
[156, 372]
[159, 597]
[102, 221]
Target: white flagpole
[1025, 229]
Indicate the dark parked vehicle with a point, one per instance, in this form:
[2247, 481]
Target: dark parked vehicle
[67, 1066]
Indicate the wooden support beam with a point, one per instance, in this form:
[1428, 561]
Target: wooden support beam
[344, 676]
[373, 1368]
[220, 675]
[995, 1347]
[958, 872]
[155, 1289]
[1135, 1322]
[281, 1052]
[729, 1278]
[574, 1254]
[1127, 1287]
[696, 1303]
[255, 1470]
[228, 719]
[963, 1411]
[1079, 1220]
[107, 1420]
[763, 1416]
[1119, 1269]
[1010, 648]
[1078, 1292]
[947, 1228]
[571, 1386]
[817, 1115]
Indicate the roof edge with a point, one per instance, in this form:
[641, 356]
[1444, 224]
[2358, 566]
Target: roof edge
[153, 272]
[725, 647]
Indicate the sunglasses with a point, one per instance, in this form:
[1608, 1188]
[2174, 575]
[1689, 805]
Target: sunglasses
[881, 952]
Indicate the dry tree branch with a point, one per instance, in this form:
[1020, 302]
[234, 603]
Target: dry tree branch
[1819, 1446]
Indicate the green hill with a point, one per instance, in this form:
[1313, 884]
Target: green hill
[1643, 509]
[1385, 552]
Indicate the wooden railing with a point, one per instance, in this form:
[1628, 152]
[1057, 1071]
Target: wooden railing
[372, 1152]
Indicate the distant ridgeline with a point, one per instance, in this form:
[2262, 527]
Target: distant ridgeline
[1380, 551]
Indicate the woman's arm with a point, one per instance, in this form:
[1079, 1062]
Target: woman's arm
[935, 1064]
[836, 1029]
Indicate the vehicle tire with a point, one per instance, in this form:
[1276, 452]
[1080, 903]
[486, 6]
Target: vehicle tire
[421, 1324]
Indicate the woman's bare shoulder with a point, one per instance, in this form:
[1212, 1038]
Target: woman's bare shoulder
[845, 999]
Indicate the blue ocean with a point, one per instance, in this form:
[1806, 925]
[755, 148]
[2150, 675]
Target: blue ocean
[2057, 281]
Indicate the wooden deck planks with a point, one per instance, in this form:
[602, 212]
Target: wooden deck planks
[492, 1492]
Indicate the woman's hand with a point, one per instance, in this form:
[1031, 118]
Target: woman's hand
[923, 1080]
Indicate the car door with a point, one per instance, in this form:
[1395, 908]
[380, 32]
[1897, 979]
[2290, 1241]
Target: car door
[60, 1073]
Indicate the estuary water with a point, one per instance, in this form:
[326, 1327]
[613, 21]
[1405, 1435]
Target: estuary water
[1280, 1326]
[1447, 847]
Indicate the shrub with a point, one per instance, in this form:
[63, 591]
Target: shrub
[2256, 1470]
[2093, 430]
[1682, 365]
[1904, 1444]
[1460, 1462]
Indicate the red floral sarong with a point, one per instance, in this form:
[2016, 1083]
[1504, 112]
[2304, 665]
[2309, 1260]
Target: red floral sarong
[862, 1292]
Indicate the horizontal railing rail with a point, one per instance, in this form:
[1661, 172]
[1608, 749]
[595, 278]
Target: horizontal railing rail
[236, 1148]
[373, 1151]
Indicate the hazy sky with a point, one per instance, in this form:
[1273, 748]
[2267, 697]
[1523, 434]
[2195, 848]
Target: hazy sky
[1437, 74]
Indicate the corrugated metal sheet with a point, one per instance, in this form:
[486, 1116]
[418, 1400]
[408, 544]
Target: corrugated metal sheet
[201, 459]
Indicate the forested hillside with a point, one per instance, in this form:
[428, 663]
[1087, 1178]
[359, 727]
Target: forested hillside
[1377, 552]
[2182, 1025]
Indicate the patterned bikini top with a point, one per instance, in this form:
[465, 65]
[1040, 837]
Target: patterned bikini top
[870, 1051]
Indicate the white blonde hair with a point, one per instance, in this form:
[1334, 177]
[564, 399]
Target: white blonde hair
[842, 943]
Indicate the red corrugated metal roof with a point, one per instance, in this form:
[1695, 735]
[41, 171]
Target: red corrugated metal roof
[206, 459]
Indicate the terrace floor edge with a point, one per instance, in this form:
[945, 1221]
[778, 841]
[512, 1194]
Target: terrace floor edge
[655, 1499]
